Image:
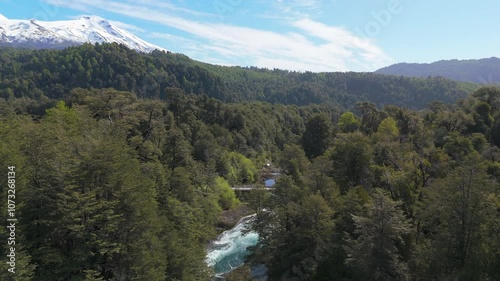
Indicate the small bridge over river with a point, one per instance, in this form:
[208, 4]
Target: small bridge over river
[269, 173]
[251, 187]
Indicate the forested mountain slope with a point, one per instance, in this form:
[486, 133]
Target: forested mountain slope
[486, 71]
[50, 73]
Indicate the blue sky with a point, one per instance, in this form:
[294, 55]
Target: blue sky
[314, 35]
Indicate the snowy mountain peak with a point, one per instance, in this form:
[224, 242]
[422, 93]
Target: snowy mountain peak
[60, 34]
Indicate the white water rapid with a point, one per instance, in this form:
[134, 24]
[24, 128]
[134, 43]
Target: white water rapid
[230, 249]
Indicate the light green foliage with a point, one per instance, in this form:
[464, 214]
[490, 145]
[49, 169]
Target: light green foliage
[408, 122]
[92, 275]
[388, 129]
[24, 269]
[241, 169]
[67, 118]
[348, 122]
[227, 198]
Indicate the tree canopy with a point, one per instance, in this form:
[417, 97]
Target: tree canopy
[121, 181]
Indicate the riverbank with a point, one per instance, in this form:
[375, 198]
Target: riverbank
[228, 219]
[242, 273]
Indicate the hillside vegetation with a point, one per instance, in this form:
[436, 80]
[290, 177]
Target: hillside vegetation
[111, 185]
[50, 73]
[485, 71]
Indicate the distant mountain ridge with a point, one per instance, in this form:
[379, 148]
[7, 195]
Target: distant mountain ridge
[35, 34]
[484, 71]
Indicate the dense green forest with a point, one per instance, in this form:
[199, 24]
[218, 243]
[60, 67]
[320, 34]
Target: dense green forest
[389, 195]
[111, 185]
[486, 71]
[50, 74]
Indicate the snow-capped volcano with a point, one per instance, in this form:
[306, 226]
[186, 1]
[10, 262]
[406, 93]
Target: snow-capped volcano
[60, 34]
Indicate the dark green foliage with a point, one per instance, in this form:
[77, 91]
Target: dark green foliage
[49, 73]
[296, 231]
[489, 95]
[115, 187]
[125, 189]
[373, 250]
[351, 159]
[461, 217]
[495, 131]
[317, 137]
[293, 161]
[83, 201]
[457, 146]
[431, 216]
[370, 117]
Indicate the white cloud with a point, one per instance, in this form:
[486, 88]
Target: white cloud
[296, 8]
[300, 3]
[127, 26]
[75, 5]
[169, 6]
[309, 45]
[343, 39]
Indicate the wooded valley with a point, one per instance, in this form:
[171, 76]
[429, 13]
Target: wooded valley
[124, 163]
